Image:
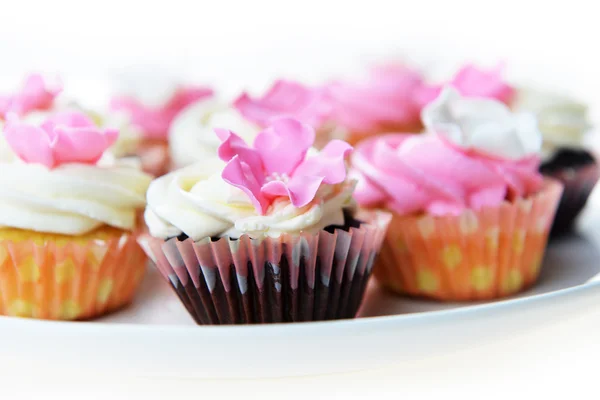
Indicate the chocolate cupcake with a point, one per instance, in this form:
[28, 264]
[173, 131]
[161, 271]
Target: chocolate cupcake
[564, 125]
[266, 233]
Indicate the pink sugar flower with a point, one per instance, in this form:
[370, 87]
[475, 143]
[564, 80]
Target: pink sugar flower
[471, 81]
[64, 137]
[286, 99]
[155, 121]
[35, 94]
[277, 164]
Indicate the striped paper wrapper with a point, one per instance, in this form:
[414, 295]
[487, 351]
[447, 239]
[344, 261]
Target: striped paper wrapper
[56, 277]
[578, 183]
[478, 255]
[291, 278]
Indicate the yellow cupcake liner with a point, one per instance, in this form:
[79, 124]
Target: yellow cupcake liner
[477, 255]
[59, 277]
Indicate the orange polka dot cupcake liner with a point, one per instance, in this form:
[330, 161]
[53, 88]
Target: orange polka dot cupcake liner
[477, 255]
[59, 277]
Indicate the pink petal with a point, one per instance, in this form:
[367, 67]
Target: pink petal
[235, 146]
[300, 189]
[82, 144]
[32, 144]
[67, 137]
[35, 94]
[68, 118]
[330, 163]
[283, 145]
[240, 175]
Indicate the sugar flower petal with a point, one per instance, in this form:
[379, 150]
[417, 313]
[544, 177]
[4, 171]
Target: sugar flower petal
[283, 145]
[240, 175]
[277, 165]
[65, 137]
[329, 164]
[36, 93]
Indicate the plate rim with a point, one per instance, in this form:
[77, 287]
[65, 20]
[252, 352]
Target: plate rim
[372, 321]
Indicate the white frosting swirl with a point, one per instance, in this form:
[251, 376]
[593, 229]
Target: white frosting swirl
[196, 201]
[483, 124]
[562, 120]
[192, 136]
[71, 199]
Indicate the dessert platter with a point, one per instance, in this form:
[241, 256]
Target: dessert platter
[359, 223]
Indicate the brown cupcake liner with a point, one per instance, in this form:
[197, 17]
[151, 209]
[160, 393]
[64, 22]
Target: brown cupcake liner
[477, 255]
[578, 183]
[286, 279]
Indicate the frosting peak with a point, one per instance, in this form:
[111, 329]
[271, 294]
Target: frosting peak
[425, 173]
[482, 124]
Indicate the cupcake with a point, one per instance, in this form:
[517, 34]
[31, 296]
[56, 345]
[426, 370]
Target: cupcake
[68, 246]
[150, 108]
[267, 233]
[564, 126]
[192, 137]
[471, 212]
[310, 105]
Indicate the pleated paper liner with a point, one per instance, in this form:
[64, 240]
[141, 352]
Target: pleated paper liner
[579, 183]
[291, 278]
[59, 277]
[477, 255]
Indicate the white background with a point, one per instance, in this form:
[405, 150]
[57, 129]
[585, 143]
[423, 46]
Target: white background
[236, 44]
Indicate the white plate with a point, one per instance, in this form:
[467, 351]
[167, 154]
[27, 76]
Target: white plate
[156, 337]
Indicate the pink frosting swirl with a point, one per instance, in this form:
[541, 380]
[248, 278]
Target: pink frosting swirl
[384, 100]
[286, 99]
[154, 122]
[427, 173]
[471, 81]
